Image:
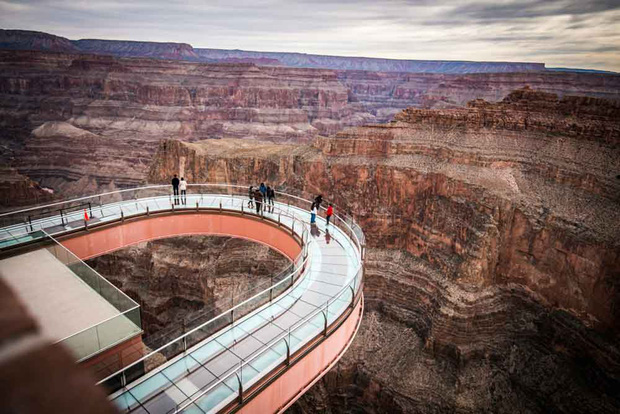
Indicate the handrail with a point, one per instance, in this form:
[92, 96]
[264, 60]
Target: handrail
[299, 268]
[346, 224]
[275, 340]
[159, 186]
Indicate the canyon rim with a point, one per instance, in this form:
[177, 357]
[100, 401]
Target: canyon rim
[488, 194]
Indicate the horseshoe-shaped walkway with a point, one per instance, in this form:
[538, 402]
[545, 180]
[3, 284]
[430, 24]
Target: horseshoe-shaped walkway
[262, 361]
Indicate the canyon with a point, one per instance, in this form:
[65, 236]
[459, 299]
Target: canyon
[490, 203]
[77, 123]
[494, 251]
[182, 282]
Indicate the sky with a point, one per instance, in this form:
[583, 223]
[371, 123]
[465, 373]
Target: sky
[560, 33]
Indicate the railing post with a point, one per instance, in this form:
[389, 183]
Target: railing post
[220, 205]
[352, 296]
[185, 344]
[62, 217]
[240, 386]
[271, 293]
[197, 206]
[242, 208]
[293, 228]
[122, 215]
[90, 209]
[148, 211]
[279, 219]
[123, 379]
[30, 223]
[288, 349]
[325, 324]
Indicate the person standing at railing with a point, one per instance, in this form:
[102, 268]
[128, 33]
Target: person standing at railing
[329, 213]
[313, 212]
[318, 200]
[251, 196]
[263, 190]
[271, 194]
[175, 189]
[183, 187]
[258, 197]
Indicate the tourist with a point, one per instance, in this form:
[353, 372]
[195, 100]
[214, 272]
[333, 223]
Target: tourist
[183, 188]
[329, 213]
[313, 212]
[175, 189]
[263, 190]
[318, 200]
[258, 198]
[251, 196]
[271, 194]
[328, 237]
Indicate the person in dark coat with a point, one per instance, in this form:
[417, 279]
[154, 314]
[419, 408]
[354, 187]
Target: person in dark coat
[258, 198]
[251, 196]
[175, 189]
[271, 194]
[317, 201]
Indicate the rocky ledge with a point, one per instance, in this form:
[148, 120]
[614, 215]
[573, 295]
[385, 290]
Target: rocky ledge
[491, 282]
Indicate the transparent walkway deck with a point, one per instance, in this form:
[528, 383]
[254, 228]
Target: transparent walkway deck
[214, 372]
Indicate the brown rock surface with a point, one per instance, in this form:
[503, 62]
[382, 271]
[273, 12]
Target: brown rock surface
[181, 282]
[98, 118]
[492, 280]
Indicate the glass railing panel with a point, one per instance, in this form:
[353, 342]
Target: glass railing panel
[117, 329]
[125, 402]
[306, 331]
[83, 343]
[250, 304]
[339, 305]
[265, 362]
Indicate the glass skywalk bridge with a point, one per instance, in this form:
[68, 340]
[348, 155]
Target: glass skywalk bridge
[226, 359]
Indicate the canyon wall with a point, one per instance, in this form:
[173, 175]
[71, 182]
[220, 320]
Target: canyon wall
[492, 276]
[181, 282]
[79, 123]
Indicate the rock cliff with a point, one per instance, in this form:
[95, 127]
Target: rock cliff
[73, 121]
[494, 232]
[181, 282]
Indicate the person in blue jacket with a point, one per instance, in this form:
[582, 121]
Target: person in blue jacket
[263, 190]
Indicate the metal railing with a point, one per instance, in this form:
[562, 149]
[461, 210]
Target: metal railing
[25, 224]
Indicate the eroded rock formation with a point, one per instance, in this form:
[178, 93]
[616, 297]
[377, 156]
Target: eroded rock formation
[69, 116]
[492, 279]
[181, 282]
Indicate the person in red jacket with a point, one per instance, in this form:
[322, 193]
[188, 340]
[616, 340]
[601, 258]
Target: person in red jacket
[329, 213]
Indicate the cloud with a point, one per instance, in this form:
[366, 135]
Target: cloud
[558, 32]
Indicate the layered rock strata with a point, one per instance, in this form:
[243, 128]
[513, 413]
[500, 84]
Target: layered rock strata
[74, 122]
[494, 233]
[182, 282]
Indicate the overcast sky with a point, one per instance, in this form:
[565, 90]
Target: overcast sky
[570, 33]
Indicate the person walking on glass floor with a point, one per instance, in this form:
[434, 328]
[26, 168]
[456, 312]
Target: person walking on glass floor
[313, 213]
[251, 196]
[183, 188]
[329, 213]
[175, 189]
